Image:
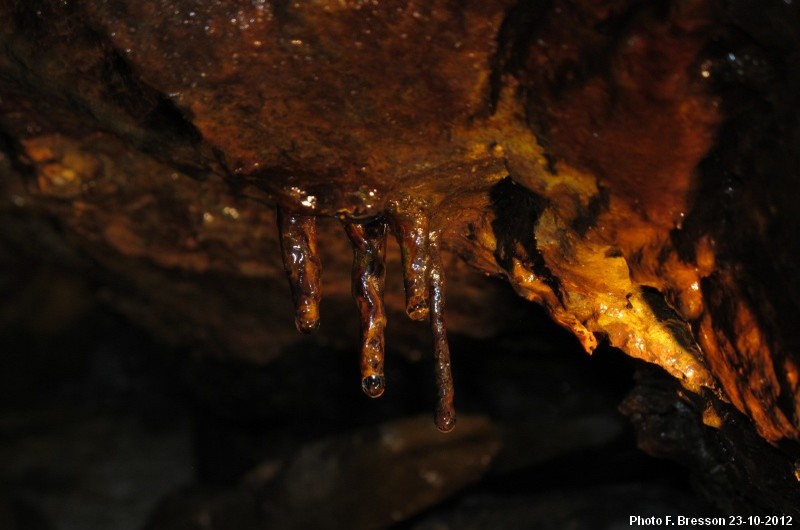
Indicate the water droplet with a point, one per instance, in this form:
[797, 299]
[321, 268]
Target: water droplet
[373, 385]
[445, 418]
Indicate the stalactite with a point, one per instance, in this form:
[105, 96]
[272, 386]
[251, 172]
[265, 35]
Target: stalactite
[298, 235]
[423, 278]
[369, 272]
[409, 224]
[445, 417]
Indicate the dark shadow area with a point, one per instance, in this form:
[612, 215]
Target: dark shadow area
[99, 425]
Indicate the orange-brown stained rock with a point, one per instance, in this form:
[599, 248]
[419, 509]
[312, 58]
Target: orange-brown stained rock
[331, 100]
[639, 119]
[369, 278]
[743, 361]
[445, 417]
[298, 235]
[330, 108]
[410, 223]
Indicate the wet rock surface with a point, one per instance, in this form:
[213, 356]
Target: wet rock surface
[630, 168]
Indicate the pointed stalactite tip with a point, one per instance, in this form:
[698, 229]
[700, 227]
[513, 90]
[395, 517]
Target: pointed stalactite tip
[445, 418]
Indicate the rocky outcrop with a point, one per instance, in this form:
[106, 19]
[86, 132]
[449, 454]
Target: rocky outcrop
[630, 168]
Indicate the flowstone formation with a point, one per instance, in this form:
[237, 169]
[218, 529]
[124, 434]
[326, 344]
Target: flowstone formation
[613, 163]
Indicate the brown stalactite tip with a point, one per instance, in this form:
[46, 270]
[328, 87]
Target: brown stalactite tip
[369, 273]
[445, 411]
[298, 237]
[410, 226]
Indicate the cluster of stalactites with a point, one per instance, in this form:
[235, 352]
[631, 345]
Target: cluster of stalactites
[424, 286]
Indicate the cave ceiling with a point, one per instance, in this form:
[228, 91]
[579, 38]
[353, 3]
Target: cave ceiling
[616, 164]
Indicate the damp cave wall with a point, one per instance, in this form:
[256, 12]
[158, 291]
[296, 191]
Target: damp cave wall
[165, 217]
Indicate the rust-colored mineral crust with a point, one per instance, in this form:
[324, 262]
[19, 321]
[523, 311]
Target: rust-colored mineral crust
[560, 145]
[369, 278]
[298, 235]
